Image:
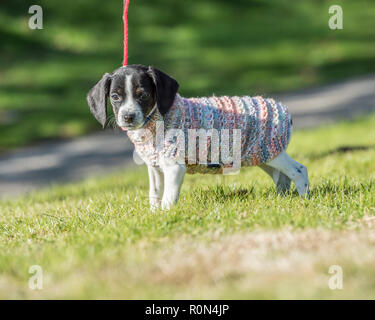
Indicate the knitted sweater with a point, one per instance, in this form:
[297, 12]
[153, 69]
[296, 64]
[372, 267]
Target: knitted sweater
[259, 129]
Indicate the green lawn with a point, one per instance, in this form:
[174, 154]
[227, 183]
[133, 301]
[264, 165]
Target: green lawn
[210, 46]
[229, 237]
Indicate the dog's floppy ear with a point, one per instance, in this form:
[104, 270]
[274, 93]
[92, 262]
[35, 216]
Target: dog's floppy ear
[97, 99]
[166, 89]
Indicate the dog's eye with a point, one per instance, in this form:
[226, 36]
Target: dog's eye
[115, 97]
[144, 95]
[141, 94]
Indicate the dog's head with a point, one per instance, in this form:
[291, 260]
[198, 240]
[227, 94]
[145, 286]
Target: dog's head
[134, 92]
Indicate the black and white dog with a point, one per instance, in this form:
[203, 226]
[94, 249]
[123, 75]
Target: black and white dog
[135, 92]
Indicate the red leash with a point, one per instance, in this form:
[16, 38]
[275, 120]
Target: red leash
[125, 18]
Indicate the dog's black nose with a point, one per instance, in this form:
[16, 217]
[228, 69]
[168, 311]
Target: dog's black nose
[129, 118]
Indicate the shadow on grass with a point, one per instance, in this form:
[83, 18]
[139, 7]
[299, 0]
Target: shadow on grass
[341, 150]
[345, 188]
[223, 193]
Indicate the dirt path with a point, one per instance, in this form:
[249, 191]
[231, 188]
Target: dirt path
[33, 167]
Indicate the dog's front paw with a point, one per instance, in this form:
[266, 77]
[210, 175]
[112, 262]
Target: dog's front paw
[154, 204]
[166, 204]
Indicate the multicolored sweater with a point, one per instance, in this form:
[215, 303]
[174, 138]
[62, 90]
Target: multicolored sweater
[259, 129]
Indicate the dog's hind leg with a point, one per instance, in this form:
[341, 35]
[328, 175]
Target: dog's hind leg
[281, 181]
[293, 170]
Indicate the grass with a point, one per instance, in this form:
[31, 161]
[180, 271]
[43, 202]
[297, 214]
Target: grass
[228, 237]
[211, 46]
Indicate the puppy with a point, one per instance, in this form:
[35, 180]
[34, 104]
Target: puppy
[164, 127]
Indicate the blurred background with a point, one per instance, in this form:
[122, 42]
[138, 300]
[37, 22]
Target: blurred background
[253, 47]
